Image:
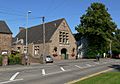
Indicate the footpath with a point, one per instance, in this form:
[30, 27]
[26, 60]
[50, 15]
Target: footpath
[34, 65]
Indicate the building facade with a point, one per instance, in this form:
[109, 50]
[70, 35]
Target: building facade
[59, 41]
[5, 38]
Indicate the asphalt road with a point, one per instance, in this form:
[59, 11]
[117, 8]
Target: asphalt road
[55, 73]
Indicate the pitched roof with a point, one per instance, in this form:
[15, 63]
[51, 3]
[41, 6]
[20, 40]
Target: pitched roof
[35, 33]
[4, 28]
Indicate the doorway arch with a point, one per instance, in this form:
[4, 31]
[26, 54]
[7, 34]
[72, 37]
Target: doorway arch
[64, 53]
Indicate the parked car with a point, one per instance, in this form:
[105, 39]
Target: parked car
[48, 59]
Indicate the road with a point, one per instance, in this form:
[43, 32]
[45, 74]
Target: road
[55, 73]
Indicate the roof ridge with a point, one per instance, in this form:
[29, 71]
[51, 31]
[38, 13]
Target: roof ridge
[47, 22]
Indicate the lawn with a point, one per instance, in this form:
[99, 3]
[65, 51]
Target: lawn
[106, 78]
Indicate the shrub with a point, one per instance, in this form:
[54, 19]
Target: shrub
[17, 59]
[14, 59]
[116, 51]
[0, 60]
[92, 53]
[11, 60]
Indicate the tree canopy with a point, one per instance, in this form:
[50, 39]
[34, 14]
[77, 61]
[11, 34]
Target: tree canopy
[97, 26]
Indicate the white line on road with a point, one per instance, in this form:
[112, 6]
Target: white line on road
[62, 68]
[10, 81]
[79, 66]
[105, 62]
[14, 76]
[43, 71]
[96, 62]
[57, 72]
[88, 65]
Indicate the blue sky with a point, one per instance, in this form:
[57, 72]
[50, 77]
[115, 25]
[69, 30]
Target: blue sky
[14, 11]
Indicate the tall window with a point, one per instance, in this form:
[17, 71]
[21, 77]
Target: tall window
[64, 37]
[36, 50]
[25, 49]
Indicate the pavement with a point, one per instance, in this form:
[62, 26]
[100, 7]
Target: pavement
[21, 67]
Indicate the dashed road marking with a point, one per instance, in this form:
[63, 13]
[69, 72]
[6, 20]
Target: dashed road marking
[96, 62]
[14, 76]
[88, 65]
[62, 68]
[105, 62]
[10, 81]
[43, 71]
[79, 66]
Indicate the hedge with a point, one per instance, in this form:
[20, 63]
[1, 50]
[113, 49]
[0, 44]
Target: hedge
[0, 60]
[14, 59]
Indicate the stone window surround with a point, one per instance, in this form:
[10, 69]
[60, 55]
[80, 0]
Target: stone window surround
[64, 37]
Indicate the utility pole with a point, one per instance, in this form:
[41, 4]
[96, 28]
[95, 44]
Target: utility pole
[27, 32]
[110, 48]
[43, 23]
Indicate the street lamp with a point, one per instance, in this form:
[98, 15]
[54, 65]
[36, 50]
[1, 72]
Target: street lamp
[27, 32]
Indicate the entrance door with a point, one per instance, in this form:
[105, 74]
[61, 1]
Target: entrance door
[64, 53]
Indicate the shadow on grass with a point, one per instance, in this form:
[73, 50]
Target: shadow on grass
[116, 67]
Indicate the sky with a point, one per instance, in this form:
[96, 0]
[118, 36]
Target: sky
[14, 12]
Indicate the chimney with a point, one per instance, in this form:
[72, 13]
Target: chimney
[21, 28]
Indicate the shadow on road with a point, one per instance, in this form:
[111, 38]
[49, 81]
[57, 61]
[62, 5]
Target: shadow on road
[116, 67]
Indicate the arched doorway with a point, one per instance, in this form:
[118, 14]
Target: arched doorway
[64, 53]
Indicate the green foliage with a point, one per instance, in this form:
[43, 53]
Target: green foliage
[116, 42]
[97, 26]
[0, 60]
[115, 52]
[104, 78]
[91, 54]
[14, 59]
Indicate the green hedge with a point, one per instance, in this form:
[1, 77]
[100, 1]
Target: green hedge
[0, 60]
[14, 59]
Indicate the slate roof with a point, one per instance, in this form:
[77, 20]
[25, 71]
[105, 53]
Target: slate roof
[4, 28]
[35, 33]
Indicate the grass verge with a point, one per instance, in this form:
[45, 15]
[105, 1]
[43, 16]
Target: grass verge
[104, 78]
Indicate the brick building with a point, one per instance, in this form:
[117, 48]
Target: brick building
[59, 41]
[5, 38]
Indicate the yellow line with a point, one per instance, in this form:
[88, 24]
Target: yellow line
[83, 78]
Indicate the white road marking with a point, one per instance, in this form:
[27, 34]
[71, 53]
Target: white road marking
[62, 68]
[88, 65]
[57, 72]
[54, 73]
[10, 81]
[43, 71]
[96, 62]
[14, 76]
[105, 62]
[79, 66]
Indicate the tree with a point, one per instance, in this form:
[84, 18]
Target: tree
[116, 42]
[97, 26]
